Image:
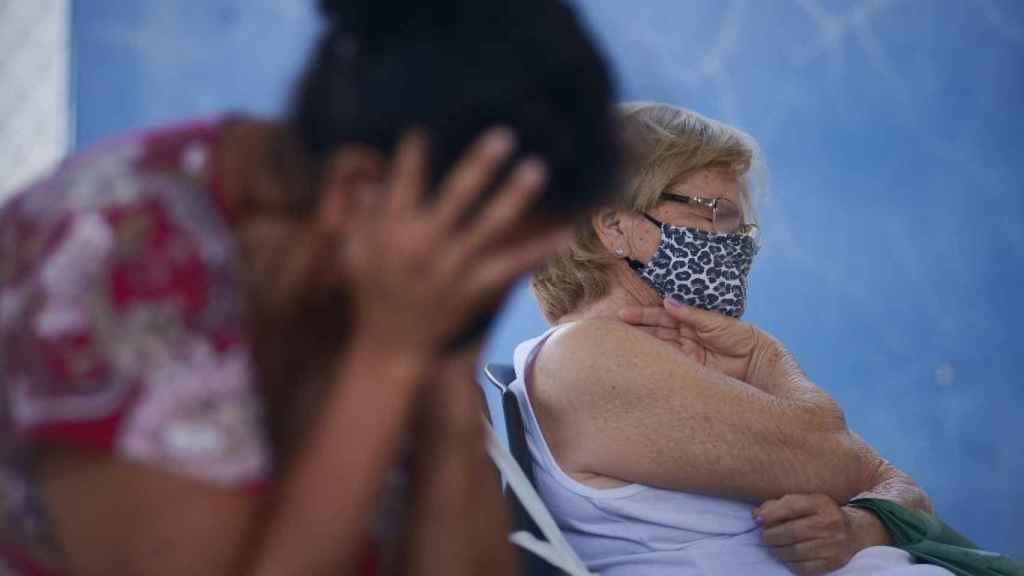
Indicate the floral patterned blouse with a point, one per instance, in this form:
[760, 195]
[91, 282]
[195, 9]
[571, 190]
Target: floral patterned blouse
[121, 328]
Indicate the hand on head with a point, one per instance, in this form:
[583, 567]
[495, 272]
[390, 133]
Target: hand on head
[418, 272]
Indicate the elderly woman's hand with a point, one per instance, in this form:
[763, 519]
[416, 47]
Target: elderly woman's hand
[735, 348]
[812, 534]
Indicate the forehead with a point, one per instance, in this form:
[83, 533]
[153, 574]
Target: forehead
[709, 183]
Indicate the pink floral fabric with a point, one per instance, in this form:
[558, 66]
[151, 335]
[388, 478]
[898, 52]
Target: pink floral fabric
[121, 327]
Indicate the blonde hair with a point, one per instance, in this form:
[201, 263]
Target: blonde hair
[662, 145]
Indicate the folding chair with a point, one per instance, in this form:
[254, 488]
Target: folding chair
[544, 550]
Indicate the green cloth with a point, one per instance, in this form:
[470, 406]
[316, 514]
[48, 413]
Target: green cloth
[931, 541]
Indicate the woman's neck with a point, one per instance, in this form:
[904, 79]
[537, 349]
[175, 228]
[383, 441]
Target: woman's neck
[625, 289]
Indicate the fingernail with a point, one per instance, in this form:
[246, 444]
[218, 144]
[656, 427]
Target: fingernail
[671, 301]
[500, 141]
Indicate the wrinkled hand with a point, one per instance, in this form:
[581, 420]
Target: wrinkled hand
[810, 533]
[735, 348]
[418, 272]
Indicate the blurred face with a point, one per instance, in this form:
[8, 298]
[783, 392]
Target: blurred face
[642, 236]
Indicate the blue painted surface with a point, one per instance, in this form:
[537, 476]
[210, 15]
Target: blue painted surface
[893, 243]
[139, 63]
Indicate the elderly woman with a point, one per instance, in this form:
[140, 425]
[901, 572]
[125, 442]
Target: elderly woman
[657, 432]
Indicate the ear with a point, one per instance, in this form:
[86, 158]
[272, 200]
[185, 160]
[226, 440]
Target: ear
[610, 226]
[351, 180]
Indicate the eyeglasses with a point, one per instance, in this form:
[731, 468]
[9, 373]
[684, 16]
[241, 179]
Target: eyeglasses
[725, 216]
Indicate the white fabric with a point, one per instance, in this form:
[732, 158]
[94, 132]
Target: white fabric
[556, 551]
[638, 530]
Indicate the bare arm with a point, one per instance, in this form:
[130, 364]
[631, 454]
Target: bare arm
[755, 357]
[619, 402]
[891, 483]
[116, 517]
[458, 522]
[783, 377]
[316, 526]
[888, 483]
[813, 534]
[777, 372]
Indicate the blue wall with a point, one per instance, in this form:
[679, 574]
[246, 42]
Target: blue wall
[893, 243]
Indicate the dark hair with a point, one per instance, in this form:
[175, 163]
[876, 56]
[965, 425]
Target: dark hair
[456, 67]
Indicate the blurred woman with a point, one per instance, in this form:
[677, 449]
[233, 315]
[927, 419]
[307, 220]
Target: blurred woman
[694, 444]
[214, 335]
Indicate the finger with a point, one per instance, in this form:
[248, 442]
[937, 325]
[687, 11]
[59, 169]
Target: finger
[506, 208]
[670, 334]
[408, 176]
[664, 326]
[472, 174]
[810, 567]
[702, 320]
[360, 219]
[331, 212]
[364, 204]
[800, 552]
[499, 270]
[681, 331]
[792, 532]
[789, 507]
[647, 316]
[693, 349]
[650, 330]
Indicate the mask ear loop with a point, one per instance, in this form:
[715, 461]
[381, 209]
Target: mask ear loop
[653, 220]
[636, 264]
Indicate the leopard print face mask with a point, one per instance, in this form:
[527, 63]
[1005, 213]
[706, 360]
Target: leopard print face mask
[702, 269]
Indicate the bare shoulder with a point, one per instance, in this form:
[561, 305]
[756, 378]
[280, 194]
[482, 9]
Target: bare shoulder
[590, 359]
[580, 344]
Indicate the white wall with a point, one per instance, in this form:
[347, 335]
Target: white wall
[34, 81]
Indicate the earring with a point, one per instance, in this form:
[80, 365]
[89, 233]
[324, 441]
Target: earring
[620, 252]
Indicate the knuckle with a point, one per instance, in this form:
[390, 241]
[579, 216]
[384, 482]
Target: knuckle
[834, 515]
[832, 563]
[772, 537]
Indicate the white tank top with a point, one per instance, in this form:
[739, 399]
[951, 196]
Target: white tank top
[639, 530]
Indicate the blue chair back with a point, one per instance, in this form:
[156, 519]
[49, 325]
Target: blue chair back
[501, 376]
